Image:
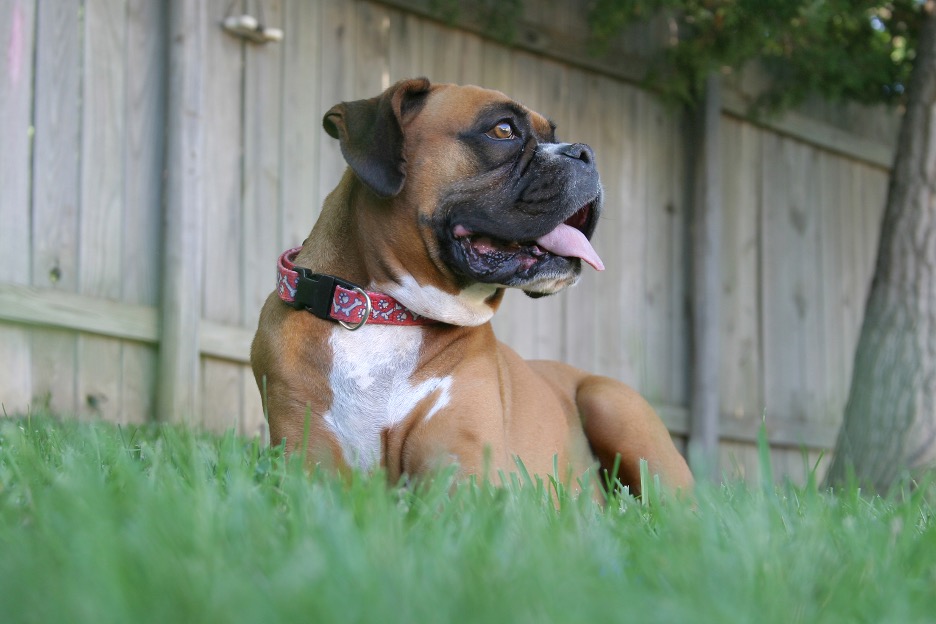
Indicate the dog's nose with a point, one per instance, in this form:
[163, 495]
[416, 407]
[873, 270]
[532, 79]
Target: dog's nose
[579, 151]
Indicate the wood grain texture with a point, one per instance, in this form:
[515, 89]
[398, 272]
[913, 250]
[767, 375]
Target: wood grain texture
[741, 364]
[302, 133]
[792, 287]
[179, 370]
[56, 191]
[144, 156]
[101, 226]
[706, 278]
[233, 178]
[625, 141]
[665, 324]
[16, 79]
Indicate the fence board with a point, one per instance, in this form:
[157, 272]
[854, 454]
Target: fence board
[261, 204]
[405, 46]
[741, 370]
[302, 131]
[496, 64]
[102, 206]
[221, 396]
[371, 34]
[665, 323]
[230, 179]
[622, 350]
[263, 217]
[837, 208]
[16, 38]
[56, 150]
[144, 150]
[184, 214]
[337, 57]
[791, 282]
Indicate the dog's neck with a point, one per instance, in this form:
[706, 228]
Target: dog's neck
[348, 241]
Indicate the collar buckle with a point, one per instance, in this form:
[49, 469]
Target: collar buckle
[316, 291]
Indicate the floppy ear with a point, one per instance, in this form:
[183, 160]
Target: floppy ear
[371, 134]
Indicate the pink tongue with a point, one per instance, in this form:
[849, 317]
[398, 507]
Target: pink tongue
[568, 241]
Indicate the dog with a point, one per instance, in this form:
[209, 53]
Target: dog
[376, 349]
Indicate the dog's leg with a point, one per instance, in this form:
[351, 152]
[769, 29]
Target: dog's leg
[618, 421]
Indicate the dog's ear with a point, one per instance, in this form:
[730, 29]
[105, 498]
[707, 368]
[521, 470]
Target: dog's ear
[371, 134]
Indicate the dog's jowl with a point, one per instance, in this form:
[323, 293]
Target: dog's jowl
[376, 349]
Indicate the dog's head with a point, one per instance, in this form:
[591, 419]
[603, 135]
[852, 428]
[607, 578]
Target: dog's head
[496, 200]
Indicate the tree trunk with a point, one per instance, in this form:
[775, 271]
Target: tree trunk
[890, 417]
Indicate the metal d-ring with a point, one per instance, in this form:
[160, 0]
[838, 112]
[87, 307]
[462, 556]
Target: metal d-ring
[367, 311]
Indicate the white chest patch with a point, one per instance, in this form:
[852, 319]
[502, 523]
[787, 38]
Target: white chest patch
[468, 308]
[372, 387]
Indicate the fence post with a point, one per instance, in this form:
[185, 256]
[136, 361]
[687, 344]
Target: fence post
[705, 169]
[178, 389]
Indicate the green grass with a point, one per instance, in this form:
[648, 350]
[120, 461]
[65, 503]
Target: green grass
[100, 524]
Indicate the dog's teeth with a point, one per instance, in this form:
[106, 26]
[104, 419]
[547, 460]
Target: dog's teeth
[460, 231]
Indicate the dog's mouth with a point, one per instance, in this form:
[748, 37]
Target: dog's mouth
[488, 255]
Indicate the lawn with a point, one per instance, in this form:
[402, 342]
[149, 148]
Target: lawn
[105, 524]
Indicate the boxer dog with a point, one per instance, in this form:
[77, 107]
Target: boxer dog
[377, 348]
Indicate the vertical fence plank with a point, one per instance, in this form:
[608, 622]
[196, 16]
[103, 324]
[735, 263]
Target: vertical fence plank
[16, 79]
[56, 150]
[623, 139]
[102, 206]
[837, 207]
[664, 377]
[229, 245]
[706, 281]
[302, 131]
[337, 80]
[405, 46]
[263, 136]
[179, 363]
[741, 376]
[371, 32]
[790, 281]
[263, 216]
[496, 63]
[16, 40]
[144, 150]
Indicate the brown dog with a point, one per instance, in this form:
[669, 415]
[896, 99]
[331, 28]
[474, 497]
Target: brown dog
[453, 193]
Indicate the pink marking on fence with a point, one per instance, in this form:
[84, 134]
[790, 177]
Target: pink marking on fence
[15, 47]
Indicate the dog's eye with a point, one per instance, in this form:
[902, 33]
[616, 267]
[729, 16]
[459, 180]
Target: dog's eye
[502, 131]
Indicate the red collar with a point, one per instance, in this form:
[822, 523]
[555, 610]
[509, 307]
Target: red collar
[330, 297]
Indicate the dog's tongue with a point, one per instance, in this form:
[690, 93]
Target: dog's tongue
[569, 242]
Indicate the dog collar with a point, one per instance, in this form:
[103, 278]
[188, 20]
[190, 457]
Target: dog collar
[332, 298]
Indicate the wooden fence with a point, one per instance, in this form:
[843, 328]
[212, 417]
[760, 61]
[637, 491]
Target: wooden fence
[127, 182]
